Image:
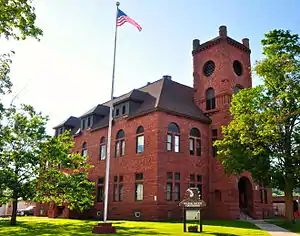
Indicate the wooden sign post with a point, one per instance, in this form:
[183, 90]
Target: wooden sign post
[191, 208]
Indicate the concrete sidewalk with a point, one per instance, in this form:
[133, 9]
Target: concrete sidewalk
[273, 230]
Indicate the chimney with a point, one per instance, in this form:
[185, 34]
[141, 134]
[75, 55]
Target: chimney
[167, 77]
[245, 42]
[223, 31]
[196, 44]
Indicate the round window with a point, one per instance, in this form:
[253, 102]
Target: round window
[238, 68]
[209, 68]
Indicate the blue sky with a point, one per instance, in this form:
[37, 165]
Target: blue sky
[69, 70]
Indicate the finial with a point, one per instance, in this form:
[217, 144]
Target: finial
[223, 31]
[118, 4]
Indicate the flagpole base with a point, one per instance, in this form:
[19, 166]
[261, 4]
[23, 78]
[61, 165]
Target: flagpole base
[104, 228]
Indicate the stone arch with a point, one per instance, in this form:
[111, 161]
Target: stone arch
[245, 195]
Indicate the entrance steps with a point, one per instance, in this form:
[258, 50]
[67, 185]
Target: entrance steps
[243, 216]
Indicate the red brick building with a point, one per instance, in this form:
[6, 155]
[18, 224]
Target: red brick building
[162, 138]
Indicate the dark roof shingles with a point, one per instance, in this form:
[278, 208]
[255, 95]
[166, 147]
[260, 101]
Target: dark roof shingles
[164, 94]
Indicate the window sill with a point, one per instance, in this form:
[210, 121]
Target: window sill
[211, 111]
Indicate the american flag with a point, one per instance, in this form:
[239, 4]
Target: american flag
[123, 18]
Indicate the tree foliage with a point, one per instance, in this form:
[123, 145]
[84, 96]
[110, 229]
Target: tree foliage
[17, 20]
[264, 135]
[22, 134]
[64, 176]
[31, 163]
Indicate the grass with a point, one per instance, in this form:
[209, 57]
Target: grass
[287, 225]
[28, 226]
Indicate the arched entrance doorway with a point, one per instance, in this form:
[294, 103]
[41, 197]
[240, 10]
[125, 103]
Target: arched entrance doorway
[245, 195]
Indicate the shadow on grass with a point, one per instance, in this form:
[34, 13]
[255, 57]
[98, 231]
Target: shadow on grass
[223, 223]
[36, 226]
[45, 228]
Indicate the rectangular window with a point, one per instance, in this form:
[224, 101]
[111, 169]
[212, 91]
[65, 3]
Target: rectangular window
[139, 176]
[123, 110]
[100, 189]
[140, 144]
[176, 146]
[177, 176]
[169, 175]
[117, 112]
[88, 122]
[177, 191]
[139, 192]
[196, 182]
[198, 147]
[261, 196]
[102, 152]
[101, 180]
[115, 193]
[118, 189]
[121, 192]
[123, 148]
[192, 178]
[199, 178]
[84, 152]
[169, 143]
[169, 191]
[118, 145]
[100, 193]
[192, 143]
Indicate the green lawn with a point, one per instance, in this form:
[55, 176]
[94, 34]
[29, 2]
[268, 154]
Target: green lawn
[28, 226]
[287, 225]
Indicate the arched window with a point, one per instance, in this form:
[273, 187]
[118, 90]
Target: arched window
[210, 99]
[173, 138]
[120, 144]
[102, 148]
[84, 151]
[195, 139]
[140, 139]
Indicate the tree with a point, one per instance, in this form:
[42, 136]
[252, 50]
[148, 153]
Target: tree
[63, 178]
[17, 21]
[29, 161]
[264, 134]
[22, 135]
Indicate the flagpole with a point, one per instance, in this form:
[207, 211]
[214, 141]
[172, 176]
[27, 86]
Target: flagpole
[110, 125]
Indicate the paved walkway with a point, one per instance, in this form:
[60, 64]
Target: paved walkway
[273, 230]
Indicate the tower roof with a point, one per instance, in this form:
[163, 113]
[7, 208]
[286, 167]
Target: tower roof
[244, 46]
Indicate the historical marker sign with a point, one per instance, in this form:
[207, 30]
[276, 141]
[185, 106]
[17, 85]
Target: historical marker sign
[192, 205]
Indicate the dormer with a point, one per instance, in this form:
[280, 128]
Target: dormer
[92, 116]
[71, 124]
[127, 103]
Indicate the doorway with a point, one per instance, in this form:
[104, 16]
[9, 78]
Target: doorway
[245, 195]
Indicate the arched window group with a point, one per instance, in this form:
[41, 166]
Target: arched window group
[173, 142]
[210, 99]
[195, 142]
[173, 138]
